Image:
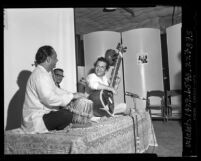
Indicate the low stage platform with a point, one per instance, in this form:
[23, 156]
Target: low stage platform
[111, 135]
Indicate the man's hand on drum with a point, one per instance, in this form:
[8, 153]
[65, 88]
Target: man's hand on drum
[75, 97]
[78, 95]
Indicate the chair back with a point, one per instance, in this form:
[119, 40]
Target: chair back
[155, 93]
[173, 103]
[155, 103]
[172, 94]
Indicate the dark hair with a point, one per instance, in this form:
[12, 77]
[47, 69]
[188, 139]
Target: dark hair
[58, 69]
[42, 54]
[103, 60]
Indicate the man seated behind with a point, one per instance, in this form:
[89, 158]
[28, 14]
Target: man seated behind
[58, 76]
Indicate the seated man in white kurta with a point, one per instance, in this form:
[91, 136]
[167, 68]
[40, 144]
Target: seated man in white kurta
[43, 97]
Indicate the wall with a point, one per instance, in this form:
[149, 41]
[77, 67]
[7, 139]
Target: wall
[174, 60]
[174, 55]
[25, 31]
[140, 76]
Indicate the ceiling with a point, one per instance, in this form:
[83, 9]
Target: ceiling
[94, 19]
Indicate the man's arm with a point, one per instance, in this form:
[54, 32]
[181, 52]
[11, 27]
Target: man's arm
[49, 95]
[94, 83]
[104, 87]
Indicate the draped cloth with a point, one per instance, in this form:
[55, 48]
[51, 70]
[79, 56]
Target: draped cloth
[111, 135]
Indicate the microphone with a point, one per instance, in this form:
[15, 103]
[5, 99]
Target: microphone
[134, 95]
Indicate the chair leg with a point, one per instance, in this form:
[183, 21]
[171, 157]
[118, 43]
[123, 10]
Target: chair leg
[163, 114]
[150, 112]
[169, 113]
[166, 117]
[166, 113]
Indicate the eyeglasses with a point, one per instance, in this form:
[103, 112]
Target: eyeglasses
[58, 75]
[101, 67]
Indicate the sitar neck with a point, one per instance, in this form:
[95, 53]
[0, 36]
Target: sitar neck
[115, 70]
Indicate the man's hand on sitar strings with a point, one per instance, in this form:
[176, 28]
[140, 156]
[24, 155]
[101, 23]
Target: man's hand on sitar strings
[113, 90]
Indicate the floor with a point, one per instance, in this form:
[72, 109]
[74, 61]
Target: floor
[169, 138]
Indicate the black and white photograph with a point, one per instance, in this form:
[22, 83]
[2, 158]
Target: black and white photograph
[95, 80]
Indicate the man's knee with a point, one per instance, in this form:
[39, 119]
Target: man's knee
[66, 114]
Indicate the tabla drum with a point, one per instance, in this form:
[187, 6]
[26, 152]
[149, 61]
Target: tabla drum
[82, 110]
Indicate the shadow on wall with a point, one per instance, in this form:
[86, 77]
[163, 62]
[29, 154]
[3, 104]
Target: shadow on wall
[178, 84]
[14, 115]
[178, 75]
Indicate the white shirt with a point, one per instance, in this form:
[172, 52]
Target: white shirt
[93, 81]
[40, 97]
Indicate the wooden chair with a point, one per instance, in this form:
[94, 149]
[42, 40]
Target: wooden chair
[158, 104]
[173, 103]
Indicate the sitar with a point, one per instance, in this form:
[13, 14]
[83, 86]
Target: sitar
[103, 100]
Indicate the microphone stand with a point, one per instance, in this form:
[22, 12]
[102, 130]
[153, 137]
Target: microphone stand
[122, 62]
[133, 115]
[132, 112]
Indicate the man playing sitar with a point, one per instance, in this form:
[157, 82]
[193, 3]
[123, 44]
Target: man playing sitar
[100, 89]
[97, 83]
